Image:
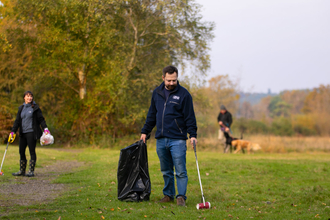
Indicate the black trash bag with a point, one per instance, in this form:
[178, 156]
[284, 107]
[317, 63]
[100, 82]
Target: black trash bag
[133, 173]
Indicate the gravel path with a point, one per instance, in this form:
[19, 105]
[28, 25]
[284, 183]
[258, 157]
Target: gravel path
[38, 189]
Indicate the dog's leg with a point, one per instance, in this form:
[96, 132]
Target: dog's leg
[248, 148]
[238, 148]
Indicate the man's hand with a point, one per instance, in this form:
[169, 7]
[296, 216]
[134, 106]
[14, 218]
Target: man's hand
[143, 137]
[227, 129]
[220, 123]
[192, 141]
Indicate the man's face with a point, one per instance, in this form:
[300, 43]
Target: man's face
[170, 80]
[223, 111]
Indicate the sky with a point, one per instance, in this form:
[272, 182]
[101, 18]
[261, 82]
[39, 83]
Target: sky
[270, 44]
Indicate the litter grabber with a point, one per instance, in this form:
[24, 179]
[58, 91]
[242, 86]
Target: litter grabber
[203, 205]
[10, 140]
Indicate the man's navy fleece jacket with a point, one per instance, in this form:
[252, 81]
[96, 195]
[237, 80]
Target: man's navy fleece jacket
[174, 117]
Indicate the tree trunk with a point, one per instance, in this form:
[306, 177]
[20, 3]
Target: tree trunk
[82, 84]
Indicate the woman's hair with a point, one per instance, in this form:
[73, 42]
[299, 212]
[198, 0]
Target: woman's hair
[31, 94]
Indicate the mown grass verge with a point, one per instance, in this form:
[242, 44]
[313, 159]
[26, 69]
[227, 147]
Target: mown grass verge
[259, 186]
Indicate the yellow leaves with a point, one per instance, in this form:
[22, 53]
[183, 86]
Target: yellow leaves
[112, 209]
[102, 217]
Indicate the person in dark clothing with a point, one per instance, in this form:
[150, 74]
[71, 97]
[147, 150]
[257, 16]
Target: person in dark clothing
[29, 119]
[225, 120]
[172, 112]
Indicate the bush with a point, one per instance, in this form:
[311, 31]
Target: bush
[282, 126]
[299, 129]
[249, 126]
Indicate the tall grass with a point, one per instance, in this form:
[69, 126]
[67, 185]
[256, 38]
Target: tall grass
[272, 143]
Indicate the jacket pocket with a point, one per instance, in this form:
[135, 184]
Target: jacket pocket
[177, 124]
[175, 102]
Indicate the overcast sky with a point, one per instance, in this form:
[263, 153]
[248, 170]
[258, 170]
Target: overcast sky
[270, 44]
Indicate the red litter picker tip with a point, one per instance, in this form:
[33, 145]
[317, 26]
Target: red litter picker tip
[203, 205]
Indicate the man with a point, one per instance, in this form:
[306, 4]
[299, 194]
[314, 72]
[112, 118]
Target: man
[225, 120]
[172, 112]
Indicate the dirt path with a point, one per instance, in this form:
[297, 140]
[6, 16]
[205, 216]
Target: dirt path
[38, 189]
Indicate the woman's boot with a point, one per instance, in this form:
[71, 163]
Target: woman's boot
[31, 169]
[22, 168]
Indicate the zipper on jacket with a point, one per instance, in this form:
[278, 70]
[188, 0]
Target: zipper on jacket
[164, 112]
[163, 117]
[178, 125]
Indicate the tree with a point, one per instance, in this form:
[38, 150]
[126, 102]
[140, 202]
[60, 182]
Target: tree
[277, 107]
[94, 62]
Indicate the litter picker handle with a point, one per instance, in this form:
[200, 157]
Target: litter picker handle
[194, 144]
[199, 176]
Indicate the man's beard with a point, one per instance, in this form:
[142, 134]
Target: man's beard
[170, 87]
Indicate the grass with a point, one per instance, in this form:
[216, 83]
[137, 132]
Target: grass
[260, 186]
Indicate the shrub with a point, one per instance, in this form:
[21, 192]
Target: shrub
[250, 126]
[282, 126]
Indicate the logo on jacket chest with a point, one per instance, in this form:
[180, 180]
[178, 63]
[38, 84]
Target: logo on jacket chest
[176, 97]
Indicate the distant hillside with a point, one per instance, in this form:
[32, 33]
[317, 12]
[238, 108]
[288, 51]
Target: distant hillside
[254, 98]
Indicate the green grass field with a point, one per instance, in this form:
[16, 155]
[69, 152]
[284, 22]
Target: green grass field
[259, 186]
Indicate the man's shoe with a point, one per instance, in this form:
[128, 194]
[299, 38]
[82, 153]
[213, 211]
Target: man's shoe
[180, 201]
[166, 199]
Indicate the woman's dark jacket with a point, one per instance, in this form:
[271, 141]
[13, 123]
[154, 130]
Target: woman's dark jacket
[226, 118]
[37, 120]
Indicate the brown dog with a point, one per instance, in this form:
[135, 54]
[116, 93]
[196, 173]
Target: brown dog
[241, 144]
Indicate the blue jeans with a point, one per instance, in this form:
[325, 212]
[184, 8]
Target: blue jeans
[172, 154]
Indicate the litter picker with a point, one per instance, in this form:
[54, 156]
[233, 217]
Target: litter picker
[203, 205]
[10, 140]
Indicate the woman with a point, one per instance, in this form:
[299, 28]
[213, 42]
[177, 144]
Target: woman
[29, 118]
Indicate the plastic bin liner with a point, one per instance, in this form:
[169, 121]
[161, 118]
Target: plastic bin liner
[133, 173]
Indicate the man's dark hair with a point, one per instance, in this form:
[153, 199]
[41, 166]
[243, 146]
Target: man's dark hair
[170, 70]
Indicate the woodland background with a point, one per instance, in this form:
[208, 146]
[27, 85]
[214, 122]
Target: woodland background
[92, 66]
